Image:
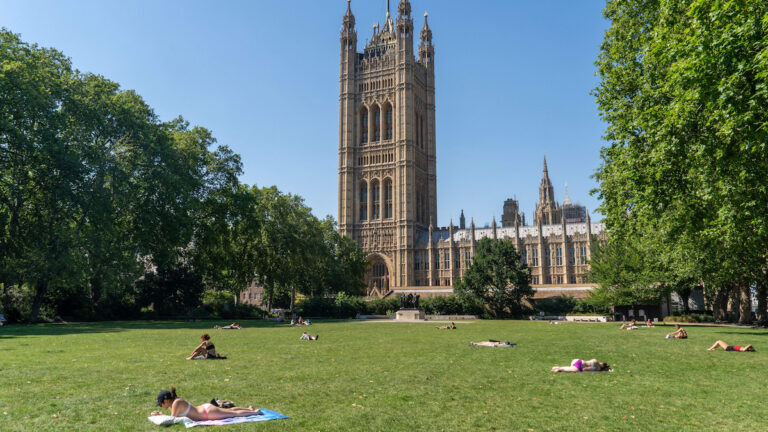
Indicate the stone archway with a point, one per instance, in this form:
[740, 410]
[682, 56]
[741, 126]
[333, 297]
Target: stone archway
[378, 278]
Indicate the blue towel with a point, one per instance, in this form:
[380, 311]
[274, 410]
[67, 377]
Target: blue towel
[265, 416]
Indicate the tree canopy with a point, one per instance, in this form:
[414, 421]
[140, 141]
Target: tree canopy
[683, 90]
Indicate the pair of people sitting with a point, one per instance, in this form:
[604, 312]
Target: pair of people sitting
[181, 408]
[301, 322]
[307, 336]
[579, 365]
[447, 327]
[233, 326]
[206, 350]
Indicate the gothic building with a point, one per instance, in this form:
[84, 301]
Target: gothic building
[387, 175]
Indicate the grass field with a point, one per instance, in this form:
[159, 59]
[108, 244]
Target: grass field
[383, 376]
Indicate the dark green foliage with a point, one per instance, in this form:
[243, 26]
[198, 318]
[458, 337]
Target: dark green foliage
[498, 278]
[692, 318]
[170, 292]
[451, 305]
[683, 92]
[94, 189]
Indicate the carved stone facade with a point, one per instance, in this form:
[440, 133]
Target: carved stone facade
[387, 174]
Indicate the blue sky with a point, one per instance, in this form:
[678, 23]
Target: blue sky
[512, 84]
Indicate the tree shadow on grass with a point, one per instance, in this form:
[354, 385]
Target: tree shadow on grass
[748, 333]
[24, 330]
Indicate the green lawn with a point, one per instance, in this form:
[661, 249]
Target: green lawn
[385, 376]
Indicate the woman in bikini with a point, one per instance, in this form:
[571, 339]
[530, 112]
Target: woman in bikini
[205, 349]
[447, 327]
[181, 408]
[579, 365]
[680, 333]
[727, 347]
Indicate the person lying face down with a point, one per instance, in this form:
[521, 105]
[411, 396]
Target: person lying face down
[579, 365]
[725, 346]
[181, 408]
[491, 343]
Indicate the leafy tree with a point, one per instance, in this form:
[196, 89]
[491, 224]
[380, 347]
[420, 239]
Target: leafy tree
[683, 94]
[498, 277]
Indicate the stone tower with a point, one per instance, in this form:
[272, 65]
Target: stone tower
[547, 210]
[387, 173]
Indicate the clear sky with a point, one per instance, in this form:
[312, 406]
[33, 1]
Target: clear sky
[513, 79]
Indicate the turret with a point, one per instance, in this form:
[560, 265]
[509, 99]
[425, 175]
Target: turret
[348, 34]
[462, 221]
[404, 26]
[426, 50]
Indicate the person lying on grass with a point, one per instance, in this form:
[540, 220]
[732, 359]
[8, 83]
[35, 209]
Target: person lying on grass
[206, 349]
[307, 336]
[727, 347]
[579, 365]
[680, 333]
[491, 343]
[233, 326]
[631, 326]
[181, 408]
[447, 327]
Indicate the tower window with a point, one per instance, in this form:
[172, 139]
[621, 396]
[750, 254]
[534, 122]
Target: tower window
[571, 255]
[547, 258]
[376, 123]
[388, 127]
[375, 196]
[559, 256]
[387, 199]
[364, 126]
[363, 201]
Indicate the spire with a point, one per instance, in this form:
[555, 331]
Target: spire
[546, 173]
[426, 32]
[567, 199]
[348, 27]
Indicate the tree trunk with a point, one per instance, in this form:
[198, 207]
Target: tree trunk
[293, 302]
[745, 304]
[40, 290]
[762, 308]
[721, 304]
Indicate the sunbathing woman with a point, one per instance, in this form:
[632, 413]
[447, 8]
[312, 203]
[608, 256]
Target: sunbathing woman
[648, 323]
[206, 349]
[447, 327]
[233, 326]
[727, 347]
[631, 326]
[181, 408]
[492, 343]
[680, 333]
[579, 365]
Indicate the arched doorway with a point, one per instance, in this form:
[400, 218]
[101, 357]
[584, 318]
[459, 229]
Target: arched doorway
[377, 279]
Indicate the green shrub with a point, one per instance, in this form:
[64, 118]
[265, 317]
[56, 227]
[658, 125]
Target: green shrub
[382, 306]
[219, 304]
[692, 318]
[451, 305]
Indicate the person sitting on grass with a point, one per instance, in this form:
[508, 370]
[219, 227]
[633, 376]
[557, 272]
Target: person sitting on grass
[492, 343]
[579, 365]
[206, 350]
[181, 408]
[447, 327]
[233, 326]
[680, 333]
[631, 326]
[648, 323]
[727, 347]
[307, 336]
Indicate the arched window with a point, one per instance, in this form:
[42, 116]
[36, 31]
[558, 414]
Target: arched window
[376, 123]
[387, 199]
[363, 201]
[388, 122]
[364, 126]
[375, 195]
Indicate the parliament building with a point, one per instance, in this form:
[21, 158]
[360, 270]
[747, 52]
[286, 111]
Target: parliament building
[388, 185]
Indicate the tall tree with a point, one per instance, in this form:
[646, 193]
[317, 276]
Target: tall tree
[498, 277]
